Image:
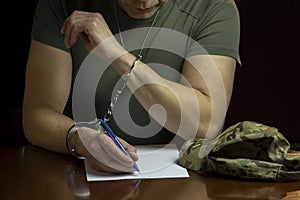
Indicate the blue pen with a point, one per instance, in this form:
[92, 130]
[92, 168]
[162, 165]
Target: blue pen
[116, 141]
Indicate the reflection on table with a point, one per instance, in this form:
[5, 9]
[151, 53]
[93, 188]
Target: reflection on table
[34, 173]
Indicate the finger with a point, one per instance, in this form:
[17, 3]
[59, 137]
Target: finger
[86, 40]
[71, 33]
[71, 28]
[88, 135]
[102, 148]
[107, 153]
[114, 151]
[68, 32]
[83, 25]
[102, 161]
[79, 26]
[127, 146]
[131, 149]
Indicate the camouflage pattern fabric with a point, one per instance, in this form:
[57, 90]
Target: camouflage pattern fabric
[247, 150]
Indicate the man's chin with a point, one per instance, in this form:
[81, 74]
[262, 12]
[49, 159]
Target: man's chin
[142, 13]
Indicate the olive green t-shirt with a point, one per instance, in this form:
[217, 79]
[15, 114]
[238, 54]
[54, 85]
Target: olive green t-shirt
[182, 28]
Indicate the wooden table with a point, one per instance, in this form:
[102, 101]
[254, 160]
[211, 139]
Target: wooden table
[32, 173]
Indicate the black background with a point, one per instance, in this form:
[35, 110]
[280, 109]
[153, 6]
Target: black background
[266, 86]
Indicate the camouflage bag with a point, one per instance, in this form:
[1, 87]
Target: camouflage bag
[247, 150]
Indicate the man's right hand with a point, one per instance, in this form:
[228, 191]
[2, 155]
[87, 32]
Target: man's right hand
[102, 153]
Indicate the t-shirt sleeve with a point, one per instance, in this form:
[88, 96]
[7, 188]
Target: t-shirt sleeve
[47, 22]
[218, 31]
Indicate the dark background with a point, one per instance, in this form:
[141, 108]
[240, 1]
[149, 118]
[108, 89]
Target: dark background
[266, 86]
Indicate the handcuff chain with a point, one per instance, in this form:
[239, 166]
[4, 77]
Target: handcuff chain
[108, 113]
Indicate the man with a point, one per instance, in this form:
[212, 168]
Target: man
[191, 104]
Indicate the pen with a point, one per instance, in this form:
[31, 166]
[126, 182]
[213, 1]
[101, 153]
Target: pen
[116, 141]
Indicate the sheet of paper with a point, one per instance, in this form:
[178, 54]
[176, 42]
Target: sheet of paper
[155, 161]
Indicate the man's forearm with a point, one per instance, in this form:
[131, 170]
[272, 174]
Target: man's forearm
[46, 128]
[181, 103]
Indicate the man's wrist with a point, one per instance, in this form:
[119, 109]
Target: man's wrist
[109, 50]
[123, 64]
[72, 134]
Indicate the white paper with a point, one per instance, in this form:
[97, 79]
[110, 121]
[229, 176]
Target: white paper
[155, 161]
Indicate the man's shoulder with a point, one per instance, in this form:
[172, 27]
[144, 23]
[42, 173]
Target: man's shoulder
[197, 7]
